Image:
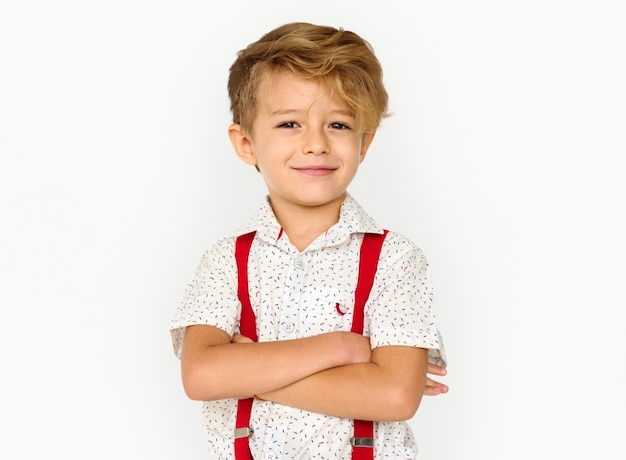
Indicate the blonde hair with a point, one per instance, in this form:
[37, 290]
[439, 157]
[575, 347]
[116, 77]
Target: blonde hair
[340, 60]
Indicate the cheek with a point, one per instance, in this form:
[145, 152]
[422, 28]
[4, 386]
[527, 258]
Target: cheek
[273, 153]
[357, 158]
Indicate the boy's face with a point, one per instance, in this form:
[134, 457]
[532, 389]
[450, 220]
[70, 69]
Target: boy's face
[303, 142]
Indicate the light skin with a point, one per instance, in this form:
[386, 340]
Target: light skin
[303, 143]
[306, 151]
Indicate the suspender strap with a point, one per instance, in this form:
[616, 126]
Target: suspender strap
[363, 440]
[247, 322]
[247, 327]
[368, 263]
[243, 430]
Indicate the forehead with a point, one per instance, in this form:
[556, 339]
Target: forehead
[283, 90]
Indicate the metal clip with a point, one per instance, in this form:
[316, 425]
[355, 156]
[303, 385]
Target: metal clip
[243, 432]
[362, 442]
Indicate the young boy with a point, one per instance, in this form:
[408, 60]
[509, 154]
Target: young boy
[306, 101]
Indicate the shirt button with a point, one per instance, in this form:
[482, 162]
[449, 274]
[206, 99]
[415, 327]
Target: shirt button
[289, 327]
[299, 262]
[270, 456]
[342, 308]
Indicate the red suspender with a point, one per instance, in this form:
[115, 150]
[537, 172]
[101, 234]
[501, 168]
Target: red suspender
[247, 321]
[363, 440]
[368, 263]
[247, 326]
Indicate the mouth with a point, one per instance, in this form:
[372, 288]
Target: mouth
[317, 171]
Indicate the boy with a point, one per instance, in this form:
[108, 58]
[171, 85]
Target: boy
[306, 101]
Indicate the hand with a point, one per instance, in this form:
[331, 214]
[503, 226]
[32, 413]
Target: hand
[434, 388]
[238, 338]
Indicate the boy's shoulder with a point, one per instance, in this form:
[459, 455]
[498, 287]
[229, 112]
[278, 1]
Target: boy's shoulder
[220, 251]
[397, 244]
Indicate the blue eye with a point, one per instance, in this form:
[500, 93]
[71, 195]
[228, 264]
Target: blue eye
[288, 124]
[339, 126]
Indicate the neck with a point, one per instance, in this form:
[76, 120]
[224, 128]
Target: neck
[303, 224]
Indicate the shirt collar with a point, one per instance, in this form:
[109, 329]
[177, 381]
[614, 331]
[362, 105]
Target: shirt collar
[352, 219]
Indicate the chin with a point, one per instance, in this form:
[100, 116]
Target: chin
[316, 200]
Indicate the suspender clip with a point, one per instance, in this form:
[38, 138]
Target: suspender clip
[243, 432]
[362, 442]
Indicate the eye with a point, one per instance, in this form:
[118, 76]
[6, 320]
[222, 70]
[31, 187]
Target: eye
[339, 126]
[288, 125]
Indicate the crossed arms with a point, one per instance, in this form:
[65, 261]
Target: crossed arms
[334, 373]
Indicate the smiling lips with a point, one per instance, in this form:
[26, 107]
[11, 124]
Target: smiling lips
[315, 170]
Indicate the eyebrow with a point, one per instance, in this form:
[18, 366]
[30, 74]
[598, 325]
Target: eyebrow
[292, 111]
[284, 112]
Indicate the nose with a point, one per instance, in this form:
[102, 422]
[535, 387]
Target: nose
[316, 142]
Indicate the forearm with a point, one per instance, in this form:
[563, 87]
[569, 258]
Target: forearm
[382, 390]
[220, 369]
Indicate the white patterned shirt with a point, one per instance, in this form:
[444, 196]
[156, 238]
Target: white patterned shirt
[299, 294]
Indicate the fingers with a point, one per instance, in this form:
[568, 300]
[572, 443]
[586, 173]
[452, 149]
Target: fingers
[436, 370]
[435, 391]
[238, 338]
[434, 388]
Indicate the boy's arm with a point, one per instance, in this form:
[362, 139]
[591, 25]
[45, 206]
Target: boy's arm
[388, 388]
[432, 388]
[214, 368]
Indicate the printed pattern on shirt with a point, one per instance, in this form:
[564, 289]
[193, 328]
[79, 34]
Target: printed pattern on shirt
[299, 294]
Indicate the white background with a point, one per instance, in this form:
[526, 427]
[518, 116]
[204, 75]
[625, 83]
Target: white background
[503, 161]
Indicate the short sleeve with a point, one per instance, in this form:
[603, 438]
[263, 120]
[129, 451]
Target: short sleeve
[401, 309]
[210, 298]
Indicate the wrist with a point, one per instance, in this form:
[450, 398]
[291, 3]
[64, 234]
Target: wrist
[352, 348]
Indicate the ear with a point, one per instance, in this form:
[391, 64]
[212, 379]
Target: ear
[366, 141]
[241, 144]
